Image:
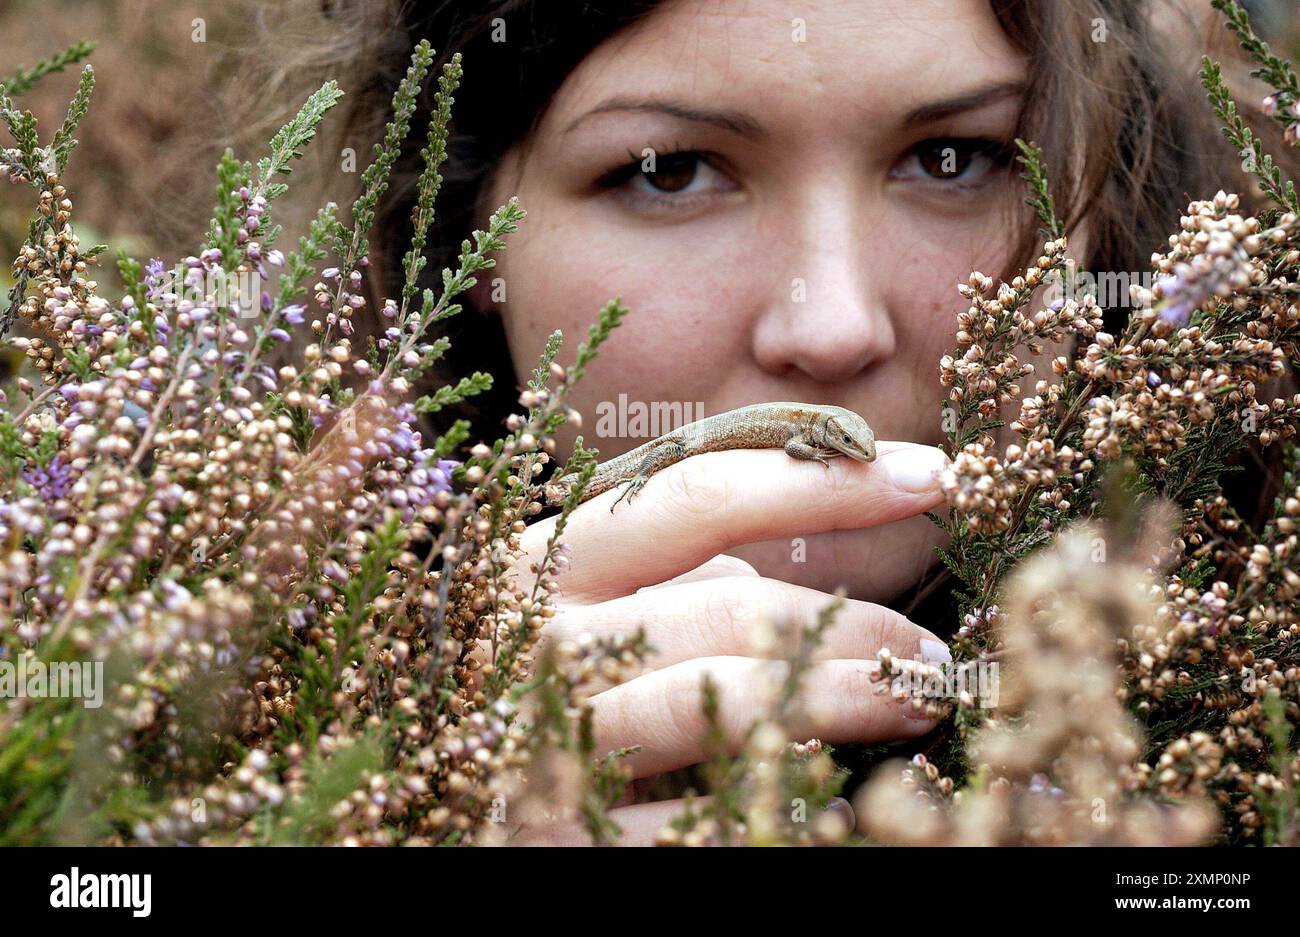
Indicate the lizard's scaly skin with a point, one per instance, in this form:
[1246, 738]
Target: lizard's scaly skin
[803, 430]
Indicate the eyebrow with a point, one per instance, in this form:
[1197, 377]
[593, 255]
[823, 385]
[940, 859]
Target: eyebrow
[746, 126]
[736, 122]
[966, 101]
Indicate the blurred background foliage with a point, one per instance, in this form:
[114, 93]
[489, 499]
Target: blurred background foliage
[156, 125]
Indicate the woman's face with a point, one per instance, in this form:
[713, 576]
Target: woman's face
[819, 188]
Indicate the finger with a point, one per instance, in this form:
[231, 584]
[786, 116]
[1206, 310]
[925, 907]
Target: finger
[706, 504]
[728, 617]
[648, 824]
[720, 565]
[662, 711]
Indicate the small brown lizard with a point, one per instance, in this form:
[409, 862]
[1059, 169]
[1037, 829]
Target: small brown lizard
[803, 430]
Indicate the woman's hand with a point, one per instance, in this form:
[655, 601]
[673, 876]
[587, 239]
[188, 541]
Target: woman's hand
[660, 563]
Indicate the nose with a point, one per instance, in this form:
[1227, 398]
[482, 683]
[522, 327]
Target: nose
[827, 318]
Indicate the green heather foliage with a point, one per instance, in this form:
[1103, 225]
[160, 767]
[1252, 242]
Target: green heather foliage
[307, 623]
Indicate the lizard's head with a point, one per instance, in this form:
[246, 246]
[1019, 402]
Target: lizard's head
[849, 434]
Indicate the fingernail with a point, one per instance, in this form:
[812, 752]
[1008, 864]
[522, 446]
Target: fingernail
[915, 468]
[935, 652]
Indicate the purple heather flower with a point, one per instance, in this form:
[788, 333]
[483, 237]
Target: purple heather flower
[403, 440]
[1177, 314]
[293, 314]
[280, 335]
[52, 482]
[154, 271]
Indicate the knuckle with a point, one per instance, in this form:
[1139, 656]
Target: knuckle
[681, 699]
[695, 491]
[886, 628]
[732, 607]
[843, 479]
[862, 697]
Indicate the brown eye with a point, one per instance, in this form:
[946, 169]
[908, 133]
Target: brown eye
[971, 160]
[944, 159]
[681, 181]
[674, 172]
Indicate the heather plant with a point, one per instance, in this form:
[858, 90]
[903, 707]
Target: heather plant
[316, 626]
[1193, 631]
[310, 625]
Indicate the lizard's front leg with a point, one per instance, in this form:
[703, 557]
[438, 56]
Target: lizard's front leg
[663, 455]
[798, 448]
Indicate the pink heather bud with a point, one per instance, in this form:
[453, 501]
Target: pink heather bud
[362, 367]
[1291, 134]
[1269, 105]
[481, 451]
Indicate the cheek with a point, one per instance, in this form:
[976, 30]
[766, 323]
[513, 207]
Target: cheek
[923, 264]
[940, 254]
[681, 288]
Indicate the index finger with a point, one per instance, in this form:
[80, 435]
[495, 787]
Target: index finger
[710, 503]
